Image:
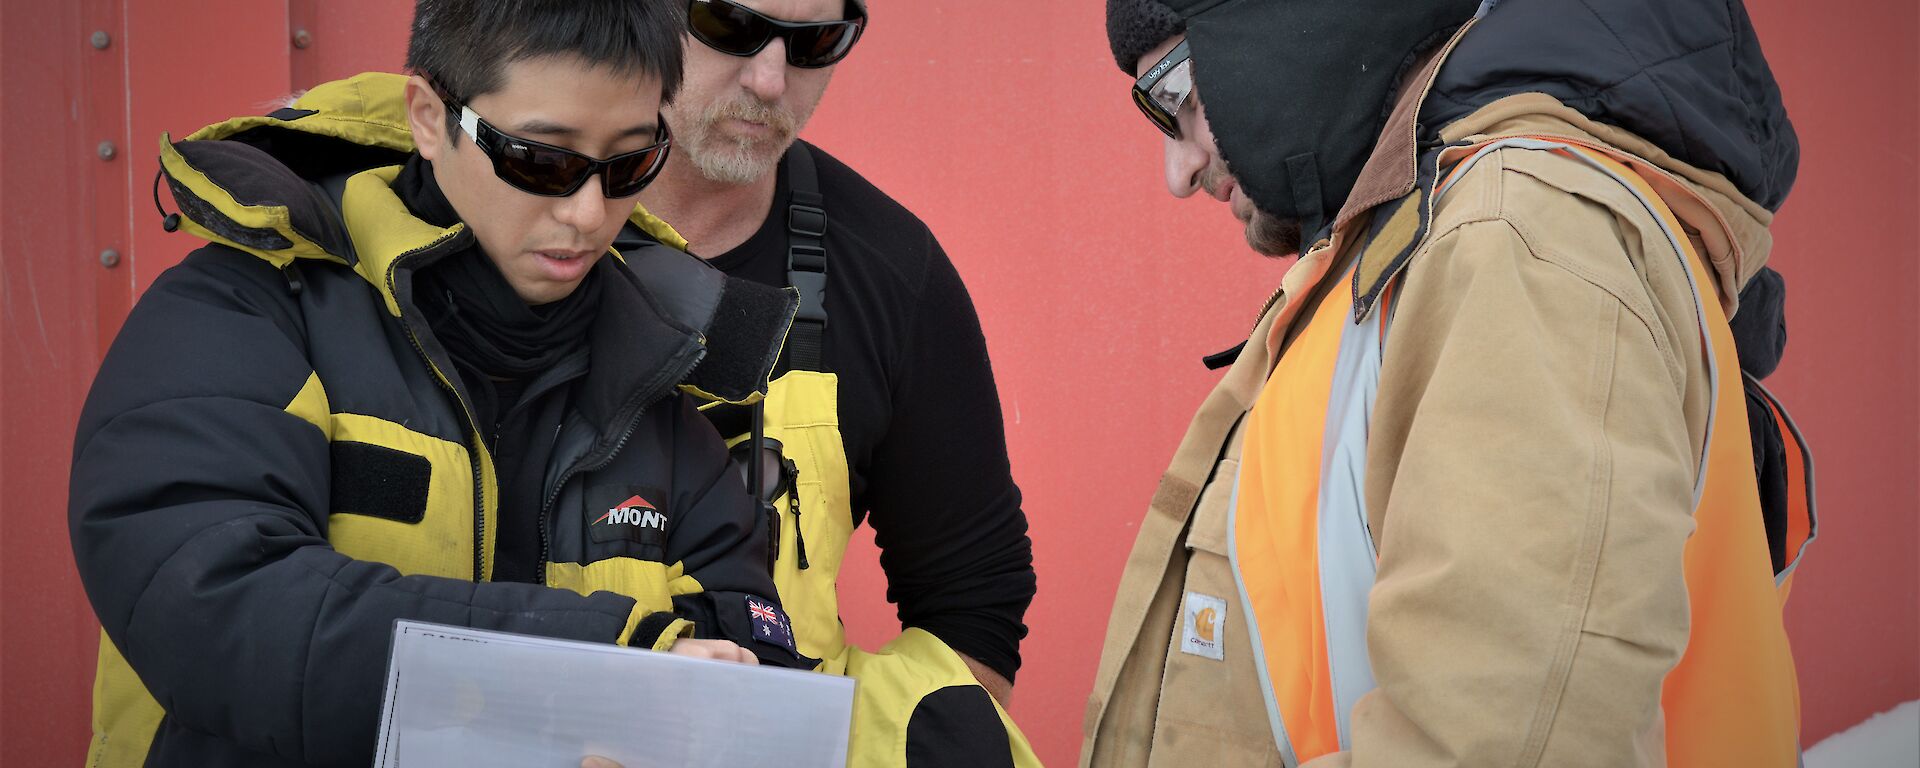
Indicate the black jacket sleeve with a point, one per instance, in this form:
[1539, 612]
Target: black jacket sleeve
[944, 507]
[198, 520]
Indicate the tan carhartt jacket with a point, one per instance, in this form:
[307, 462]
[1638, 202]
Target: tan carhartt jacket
[1519, 617]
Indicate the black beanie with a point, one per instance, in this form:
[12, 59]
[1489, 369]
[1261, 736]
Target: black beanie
[1136, 26]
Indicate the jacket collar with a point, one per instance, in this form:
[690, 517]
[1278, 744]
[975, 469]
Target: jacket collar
[1392, 197]
[275, 185]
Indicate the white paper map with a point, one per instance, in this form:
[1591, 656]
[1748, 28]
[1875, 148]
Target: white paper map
[460, 697]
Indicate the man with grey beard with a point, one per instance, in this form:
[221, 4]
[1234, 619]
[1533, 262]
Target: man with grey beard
[884, 408]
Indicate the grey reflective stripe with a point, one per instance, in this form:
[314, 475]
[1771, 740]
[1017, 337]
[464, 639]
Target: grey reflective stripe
[1345, 546]
[1806, 470]
[1253, 631]
[1680, 252]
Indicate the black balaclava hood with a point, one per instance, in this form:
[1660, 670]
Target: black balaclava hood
[1296, 91]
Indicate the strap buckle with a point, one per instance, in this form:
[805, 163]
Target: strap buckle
[806, 258]
[813, 295]
[807, 220]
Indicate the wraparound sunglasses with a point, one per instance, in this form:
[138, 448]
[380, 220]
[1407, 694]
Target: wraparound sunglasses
[735, 29]
[1164, 89]
[549, 171]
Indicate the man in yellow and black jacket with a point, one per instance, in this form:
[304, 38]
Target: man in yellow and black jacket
[408, 379]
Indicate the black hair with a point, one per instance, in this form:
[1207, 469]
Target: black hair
[463, 46]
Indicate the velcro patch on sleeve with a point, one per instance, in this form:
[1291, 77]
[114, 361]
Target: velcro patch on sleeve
[378, 481]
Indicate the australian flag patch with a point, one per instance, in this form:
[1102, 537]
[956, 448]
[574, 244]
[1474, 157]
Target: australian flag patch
[770, 624]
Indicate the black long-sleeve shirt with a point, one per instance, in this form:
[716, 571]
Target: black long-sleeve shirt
[919, 415]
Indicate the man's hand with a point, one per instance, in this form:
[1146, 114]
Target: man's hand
[999, 687]
[722, 650]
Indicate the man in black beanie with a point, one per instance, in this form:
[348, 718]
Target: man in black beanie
[1478, 489]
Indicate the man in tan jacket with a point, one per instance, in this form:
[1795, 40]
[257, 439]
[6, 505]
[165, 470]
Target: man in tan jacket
[1479, 488]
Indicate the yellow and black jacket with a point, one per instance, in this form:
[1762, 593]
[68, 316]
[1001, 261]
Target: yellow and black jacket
[277, 461]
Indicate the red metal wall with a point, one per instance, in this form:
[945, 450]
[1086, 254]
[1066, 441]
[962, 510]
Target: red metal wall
[1005, 126]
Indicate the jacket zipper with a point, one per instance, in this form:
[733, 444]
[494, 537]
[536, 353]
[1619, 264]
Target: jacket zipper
[546, 509]
[1264, 309]
[473, 423]
[1281, 290]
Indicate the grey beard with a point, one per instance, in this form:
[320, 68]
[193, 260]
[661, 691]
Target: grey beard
[732, 162]
[738, 161]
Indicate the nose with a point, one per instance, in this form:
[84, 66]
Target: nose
[1184, 164]
[584, 210]
[765, 73]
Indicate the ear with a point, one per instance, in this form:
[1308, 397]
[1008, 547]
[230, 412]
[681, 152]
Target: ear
[427, 116]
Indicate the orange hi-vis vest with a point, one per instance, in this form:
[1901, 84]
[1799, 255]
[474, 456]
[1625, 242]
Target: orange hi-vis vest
[1304, 559]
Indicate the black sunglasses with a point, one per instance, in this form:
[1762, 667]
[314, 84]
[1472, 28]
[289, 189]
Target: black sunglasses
[550, 171]
[1163, 89]
[737, 30]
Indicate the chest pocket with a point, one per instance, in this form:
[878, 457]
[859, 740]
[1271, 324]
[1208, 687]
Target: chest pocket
[814, 511]
[1209, 653]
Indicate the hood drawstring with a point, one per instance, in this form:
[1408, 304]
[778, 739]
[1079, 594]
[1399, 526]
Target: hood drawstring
[168, 221]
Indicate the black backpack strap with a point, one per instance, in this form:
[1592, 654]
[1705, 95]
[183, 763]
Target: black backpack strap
[806, 260]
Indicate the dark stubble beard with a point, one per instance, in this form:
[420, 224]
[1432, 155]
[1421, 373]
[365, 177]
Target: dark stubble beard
[1273, 236]
[1267, 235]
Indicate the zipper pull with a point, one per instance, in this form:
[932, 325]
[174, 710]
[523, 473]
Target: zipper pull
[793, 503]
[292, 273]
[799, 539]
